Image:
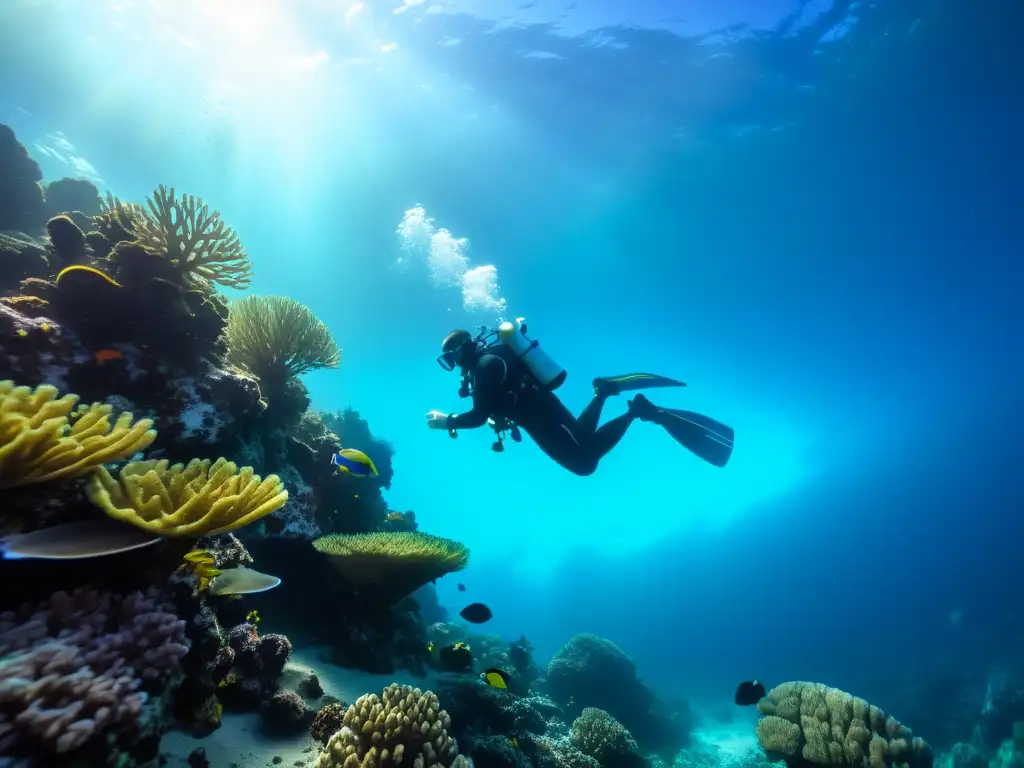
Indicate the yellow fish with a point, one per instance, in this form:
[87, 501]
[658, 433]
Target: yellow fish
[495, 678]
[430, 647]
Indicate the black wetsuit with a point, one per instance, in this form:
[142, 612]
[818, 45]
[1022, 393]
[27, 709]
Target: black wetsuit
[503, 387]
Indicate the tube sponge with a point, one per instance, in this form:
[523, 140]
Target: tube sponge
[43, 437]
[829, 727]
[404, 726]
[197, 499]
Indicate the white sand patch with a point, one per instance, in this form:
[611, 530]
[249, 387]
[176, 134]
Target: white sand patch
[240, 740]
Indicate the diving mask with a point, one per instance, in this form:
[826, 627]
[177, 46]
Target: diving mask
[448, 360]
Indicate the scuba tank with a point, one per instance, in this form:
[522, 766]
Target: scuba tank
[549, 374]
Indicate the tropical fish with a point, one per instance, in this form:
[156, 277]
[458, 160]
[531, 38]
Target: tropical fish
[462, 587]
[456, 658]
[476, 613]
[353, 462]
[430, 647]
[514, 742]
[201, 561]
[749, 693]
[105, 355]
[199, 557]
[495, 678]
[396, 516]
[242, 581]
[21, 332]
[76, 541]
[252, 617]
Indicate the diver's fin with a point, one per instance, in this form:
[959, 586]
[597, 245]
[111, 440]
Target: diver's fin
[709, 439]
[614, 385]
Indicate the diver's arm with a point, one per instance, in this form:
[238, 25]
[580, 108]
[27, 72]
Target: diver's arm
[489, 373]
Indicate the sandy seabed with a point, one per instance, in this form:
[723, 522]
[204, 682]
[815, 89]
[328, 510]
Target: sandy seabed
[240, 742]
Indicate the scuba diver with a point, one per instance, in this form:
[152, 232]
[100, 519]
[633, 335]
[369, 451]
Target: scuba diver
[512, 381]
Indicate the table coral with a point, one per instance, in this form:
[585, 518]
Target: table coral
[43, 437]
[393, 562]
[200, 498]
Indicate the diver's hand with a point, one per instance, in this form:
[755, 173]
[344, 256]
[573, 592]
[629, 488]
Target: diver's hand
[437, 420]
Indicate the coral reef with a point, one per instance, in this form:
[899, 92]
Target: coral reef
[590, 671]
[602, 737]
[328, 721]
[480, 711]
[393, 564]
[65, 196]
[285, 712]
[82, 665]
[826, 726]
[250, 667]
[402, 726]
[199, 245]
[22, 207]
[43, 438]
[202, 498]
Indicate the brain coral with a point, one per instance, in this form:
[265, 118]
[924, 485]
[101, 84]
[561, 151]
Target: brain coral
[404, 726]
[829, 727]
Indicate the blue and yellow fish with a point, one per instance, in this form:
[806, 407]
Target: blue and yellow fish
[353, 462]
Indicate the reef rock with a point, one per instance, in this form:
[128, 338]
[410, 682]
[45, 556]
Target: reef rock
[22, 207]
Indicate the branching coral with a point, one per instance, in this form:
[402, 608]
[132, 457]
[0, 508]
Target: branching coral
[43, 437]
[118, 221]
[393, 561]
[829, 727]
[71, 667]
[276, 337]
[197, 499]
[202, 247]
[404, 726]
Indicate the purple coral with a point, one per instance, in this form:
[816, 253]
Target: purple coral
[73, 666]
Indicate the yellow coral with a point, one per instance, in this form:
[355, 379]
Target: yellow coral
[43, 437]
[202, 247]
[402, 560]
[829, 727]
[403, 726]
[198, 499]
